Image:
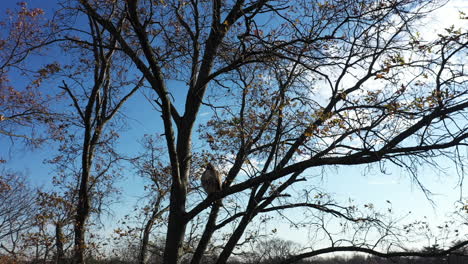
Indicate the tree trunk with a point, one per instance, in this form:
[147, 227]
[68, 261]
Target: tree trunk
[176, 226]
[177, 221]
[82, 213]
[241, 227]
[46, 254]
[60, 258]
[207, 234]
[143, 255]
[231, 244]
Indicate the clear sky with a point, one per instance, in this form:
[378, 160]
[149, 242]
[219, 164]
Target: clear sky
[347, 182]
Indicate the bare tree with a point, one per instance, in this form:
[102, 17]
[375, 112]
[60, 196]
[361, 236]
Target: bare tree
[57, 210]
[294, 86]
[151, 167]
[97, 86]
[17, 213]
[24, 108]
[273, 250]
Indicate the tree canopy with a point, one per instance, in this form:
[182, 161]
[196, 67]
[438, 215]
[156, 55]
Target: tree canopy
[289, 86]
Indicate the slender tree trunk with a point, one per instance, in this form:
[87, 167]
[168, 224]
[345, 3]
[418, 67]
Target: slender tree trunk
[82, 213]
[143, 255]
[207, 234]
[36, 257]
[60, 258]
[46, 255]
[229, 247]
[239, 231]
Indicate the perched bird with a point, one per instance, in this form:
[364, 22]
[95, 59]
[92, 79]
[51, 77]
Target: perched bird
[211, 179]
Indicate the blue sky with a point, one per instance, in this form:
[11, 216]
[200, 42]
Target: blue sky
[342, 182]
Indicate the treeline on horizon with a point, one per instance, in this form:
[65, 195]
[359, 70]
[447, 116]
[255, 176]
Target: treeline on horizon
[355, 259]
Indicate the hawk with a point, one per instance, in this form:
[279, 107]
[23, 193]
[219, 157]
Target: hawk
[211, 179]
